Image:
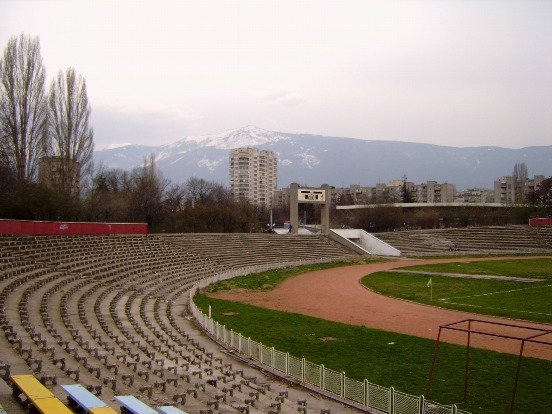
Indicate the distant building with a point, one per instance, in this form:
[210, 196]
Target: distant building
[354, 194]
[475, 195]
[59, 173]
[433, 192]
[505, 189]
[392, 192]
[430, 192]
[533, 183]
[254, 175]
[281, 197]
[383, 193]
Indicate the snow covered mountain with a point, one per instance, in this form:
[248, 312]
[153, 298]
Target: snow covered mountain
[314, 159]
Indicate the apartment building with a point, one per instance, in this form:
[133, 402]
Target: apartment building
[534, 183]
[475, 195]
[506, 189]
[281, 197]
[392, 192]
[433, 192]
[253, 175]
[430, 192]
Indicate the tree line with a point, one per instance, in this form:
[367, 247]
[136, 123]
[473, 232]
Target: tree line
[46, 169]
[143, 195]
[140, 195]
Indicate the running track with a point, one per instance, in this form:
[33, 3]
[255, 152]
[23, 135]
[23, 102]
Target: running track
[337, 295]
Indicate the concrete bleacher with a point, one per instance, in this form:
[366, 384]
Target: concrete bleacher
[518, 239]
[234, 250]
[110, 313]
[544, 232]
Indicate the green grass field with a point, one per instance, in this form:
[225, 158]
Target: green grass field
[510, 299]
[391, 359]
[537, 268]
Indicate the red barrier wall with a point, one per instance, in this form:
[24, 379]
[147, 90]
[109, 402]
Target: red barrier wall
[540, 222]
[41, 228]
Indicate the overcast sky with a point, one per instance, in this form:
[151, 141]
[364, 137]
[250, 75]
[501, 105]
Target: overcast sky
[459, 73]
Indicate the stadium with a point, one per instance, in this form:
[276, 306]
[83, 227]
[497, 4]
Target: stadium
[105, 322]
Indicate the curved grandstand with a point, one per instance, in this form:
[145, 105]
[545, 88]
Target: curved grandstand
[111, 313]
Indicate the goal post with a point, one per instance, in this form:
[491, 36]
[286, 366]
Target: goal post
[523, 333]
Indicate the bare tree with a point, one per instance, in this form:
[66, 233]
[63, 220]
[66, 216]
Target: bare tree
[174, 198]
[199, 190]
[148, 188]
[107, 196]
[520, 177]
[70, 140]
[23, 107]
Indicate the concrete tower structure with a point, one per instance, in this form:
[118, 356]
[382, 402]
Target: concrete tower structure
[300, 195]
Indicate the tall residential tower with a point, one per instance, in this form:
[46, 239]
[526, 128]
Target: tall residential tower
[253, 175]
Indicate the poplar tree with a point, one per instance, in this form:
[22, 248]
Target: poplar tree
[70, 140]
[520, 176]
[23, 106]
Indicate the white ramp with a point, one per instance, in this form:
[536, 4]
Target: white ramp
[365, 241]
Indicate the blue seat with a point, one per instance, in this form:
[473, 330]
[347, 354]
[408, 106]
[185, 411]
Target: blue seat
[133, 405]
[78, 395]
[169, 409]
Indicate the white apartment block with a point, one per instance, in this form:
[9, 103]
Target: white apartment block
[253, 175]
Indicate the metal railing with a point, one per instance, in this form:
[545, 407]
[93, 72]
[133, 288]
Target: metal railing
[356, 393]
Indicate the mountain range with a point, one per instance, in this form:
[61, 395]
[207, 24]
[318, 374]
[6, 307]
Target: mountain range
[313, 160]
